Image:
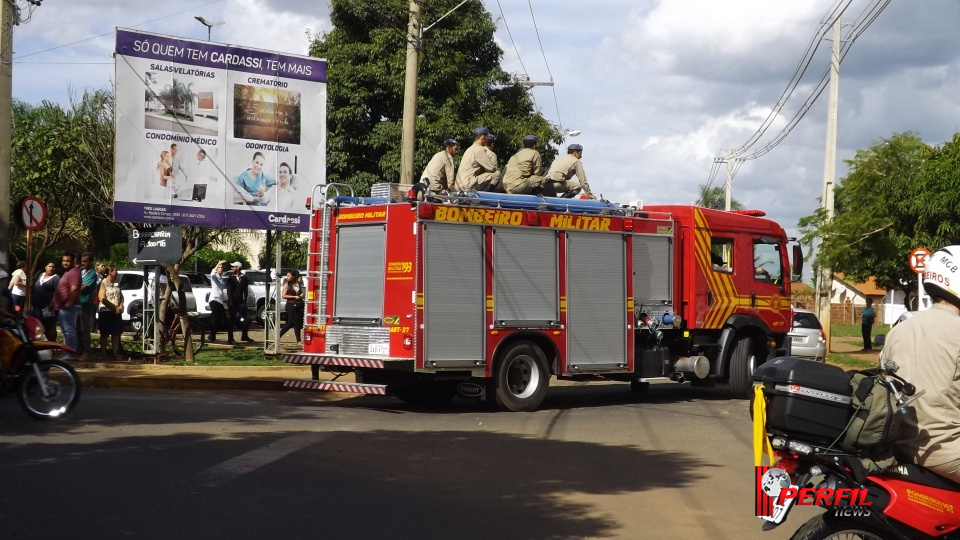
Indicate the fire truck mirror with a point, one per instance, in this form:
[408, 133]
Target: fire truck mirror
[796, 273]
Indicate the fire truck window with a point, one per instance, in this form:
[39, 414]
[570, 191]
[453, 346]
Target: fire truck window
[721, 252]
[767, 262]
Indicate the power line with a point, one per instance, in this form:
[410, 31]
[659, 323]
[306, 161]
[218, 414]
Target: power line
[863, 21]
[553, 88]
[510, 34]
[114, 31]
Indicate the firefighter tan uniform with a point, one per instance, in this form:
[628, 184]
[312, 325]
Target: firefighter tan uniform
[522, 173]
[563, 169]
[477, 170]
[440, 173]
[496, 185]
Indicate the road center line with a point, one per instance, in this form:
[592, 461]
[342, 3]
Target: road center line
[253, 460]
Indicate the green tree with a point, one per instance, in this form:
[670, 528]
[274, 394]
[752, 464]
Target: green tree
[716, 198]
[64, 156]
[293, 252]
[461, 85]
[899, 194]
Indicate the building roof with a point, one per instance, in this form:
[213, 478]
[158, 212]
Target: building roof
[866, 288]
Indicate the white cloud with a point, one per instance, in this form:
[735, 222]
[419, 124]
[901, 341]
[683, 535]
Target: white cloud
[657, 87]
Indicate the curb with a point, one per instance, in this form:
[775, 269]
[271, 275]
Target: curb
[163, 383]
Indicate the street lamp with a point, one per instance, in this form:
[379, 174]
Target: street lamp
[571, 133]
[208, 24]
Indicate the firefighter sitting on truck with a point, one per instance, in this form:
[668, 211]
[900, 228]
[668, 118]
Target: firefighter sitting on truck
[477, 171]
[522, 173]
[440, 174]
[558, 181]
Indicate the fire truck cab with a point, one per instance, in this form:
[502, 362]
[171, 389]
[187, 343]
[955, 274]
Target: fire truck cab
[490, 295]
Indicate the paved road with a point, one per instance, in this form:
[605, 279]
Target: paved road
[593, 463]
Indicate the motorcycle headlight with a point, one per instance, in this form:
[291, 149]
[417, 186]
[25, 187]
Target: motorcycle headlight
[35, 329]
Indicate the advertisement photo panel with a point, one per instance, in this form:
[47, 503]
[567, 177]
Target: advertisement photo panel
[216, 135]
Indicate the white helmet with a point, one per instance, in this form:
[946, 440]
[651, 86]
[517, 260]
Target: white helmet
[941, 274]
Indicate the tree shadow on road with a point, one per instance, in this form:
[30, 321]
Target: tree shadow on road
[350, 484]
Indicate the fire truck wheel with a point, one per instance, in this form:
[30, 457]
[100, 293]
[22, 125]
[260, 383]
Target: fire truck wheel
[522, 377]
[427, 394]
[742, 364]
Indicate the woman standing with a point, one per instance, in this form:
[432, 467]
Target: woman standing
[867, 317]
[110, 319]
[293, 294]
[43, 289]
[18, 286]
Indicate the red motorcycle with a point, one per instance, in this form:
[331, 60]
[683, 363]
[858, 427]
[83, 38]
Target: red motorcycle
[35, 370]
[803, 416]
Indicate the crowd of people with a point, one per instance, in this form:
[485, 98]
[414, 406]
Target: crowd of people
[83, 297]
[479, 169]
[228, 303]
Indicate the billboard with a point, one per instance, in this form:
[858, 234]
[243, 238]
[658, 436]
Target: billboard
[216, 135]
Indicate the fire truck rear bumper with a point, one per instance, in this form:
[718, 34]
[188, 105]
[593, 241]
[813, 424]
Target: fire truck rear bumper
[355, 362]
[345, 387]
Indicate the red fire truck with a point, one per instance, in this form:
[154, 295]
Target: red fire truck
[489, 295]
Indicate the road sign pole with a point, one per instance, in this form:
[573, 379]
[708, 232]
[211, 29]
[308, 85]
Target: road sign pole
[30, 276]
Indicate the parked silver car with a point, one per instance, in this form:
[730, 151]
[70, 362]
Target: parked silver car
[807, 337]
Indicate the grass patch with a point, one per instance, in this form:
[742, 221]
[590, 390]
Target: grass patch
[845, 330]
[847, 361]
[229, 357]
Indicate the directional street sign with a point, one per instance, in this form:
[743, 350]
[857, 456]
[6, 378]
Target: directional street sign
[163, 245]
[918, 259]
[31, 213]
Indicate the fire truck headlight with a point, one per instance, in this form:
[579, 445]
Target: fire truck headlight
[778, 442]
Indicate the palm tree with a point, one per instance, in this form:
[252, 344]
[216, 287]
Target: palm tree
[184, 96]
[715, 197]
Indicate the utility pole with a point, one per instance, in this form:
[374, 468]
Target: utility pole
[408, 139]
[829, 176]
[728, 187]
[8, 17]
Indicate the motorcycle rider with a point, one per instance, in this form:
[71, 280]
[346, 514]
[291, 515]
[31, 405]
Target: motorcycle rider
[927, 349]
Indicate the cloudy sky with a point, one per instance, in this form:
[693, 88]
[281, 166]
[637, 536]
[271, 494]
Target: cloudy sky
[658, 88]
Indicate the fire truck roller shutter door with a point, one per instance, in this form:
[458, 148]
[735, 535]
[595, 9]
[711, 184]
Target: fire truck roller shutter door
[596, 301]
[454, 301]
[360, 272]
[653, 273]
[525, 284]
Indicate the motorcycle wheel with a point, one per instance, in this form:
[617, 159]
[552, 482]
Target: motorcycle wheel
[824, 527]
[63, 390]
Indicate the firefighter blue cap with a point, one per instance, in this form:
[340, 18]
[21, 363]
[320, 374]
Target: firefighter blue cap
[574, 148]
[450, 142]
[530, 139]
[480, 131]
[491, 138]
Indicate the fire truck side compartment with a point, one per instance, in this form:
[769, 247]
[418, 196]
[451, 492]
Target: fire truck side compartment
[526, 292]
[454, 300]
[653, 273]
[596, 302]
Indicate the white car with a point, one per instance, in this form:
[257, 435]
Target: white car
[200, 283]
[257, 291]
[807, 337]
[131, 285]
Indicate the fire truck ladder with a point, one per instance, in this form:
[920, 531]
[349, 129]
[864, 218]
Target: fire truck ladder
[322, 274]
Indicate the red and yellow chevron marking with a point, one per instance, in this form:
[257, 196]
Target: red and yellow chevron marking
[726, 298]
